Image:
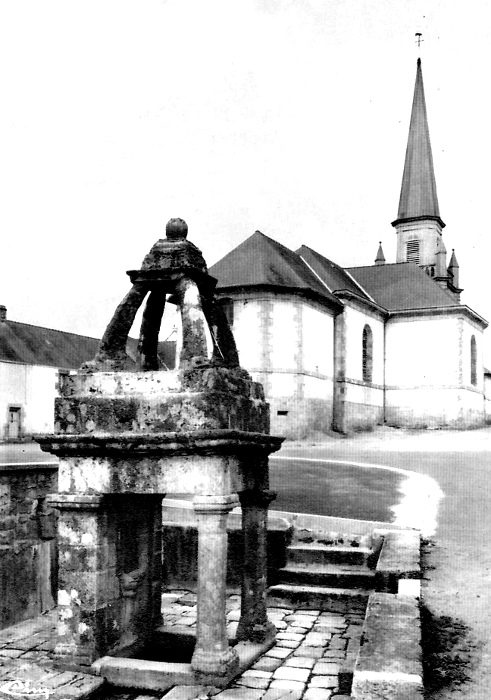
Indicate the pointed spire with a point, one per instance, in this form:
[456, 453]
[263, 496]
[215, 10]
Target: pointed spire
[453, 260]
[380, 259]
[418, 198]
[453, 270]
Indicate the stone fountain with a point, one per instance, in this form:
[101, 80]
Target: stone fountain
[125, 438]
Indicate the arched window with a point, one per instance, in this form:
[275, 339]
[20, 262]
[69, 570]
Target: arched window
[367, 350]
[473, 361]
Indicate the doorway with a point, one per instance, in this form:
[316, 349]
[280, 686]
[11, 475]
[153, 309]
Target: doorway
[14, 422]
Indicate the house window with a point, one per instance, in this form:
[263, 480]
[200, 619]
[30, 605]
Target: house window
[367, 350]
[412, 251]
[473, 361]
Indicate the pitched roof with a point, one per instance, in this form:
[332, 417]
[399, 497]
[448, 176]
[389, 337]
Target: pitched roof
[334, 276]
[259, 261]
[34, 345]
[401, 286]
[418, 191]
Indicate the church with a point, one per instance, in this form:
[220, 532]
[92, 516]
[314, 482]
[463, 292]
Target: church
[346, 349]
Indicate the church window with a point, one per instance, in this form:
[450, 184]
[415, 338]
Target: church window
[412, 251]
[367, 348]
[473, 361]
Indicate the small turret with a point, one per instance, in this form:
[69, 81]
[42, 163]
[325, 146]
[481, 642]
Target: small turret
[380, 259]
[453, 270]
[441, 261]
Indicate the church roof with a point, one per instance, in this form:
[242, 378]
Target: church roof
[418, 197]
[334, 276]
[401, 286]
[34, 345]
[259, 261]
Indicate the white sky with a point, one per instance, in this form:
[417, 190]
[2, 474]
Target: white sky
[287, 116]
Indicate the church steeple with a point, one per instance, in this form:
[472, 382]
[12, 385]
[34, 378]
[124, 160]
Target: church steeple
[418, 224]
[418, 191]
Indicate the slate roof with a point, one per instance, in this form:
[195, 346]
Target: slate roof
[34, 345]
[418, 197]
[334, 276]
[259, 261]
[401, 286]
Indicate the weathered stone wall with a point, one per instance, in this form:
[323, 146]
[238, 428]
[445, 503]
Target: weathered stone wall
[27, 547]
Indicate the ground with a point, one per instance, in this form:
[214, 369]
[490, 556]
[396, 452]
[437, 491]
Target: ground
[458, 583]
[458, 576]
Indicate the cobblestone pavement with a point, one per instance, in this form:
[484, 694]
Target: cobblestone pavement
[311, 648]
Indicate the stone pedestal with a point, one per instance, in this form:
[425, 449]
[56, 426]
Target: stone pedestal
[212, 655]
[127, 435]
[254, 625]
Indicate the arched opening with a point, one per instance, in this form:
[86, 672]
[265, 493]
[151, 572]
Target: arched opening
[367, 354]
[473, 361]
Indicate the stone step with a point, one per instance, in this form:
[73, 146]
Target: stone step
[318, 597]
[328, 575]
[311, 536]
[316, 553]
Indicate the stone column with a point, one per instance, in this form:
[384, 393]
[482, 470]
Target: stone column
[254, 625]
[212, 656]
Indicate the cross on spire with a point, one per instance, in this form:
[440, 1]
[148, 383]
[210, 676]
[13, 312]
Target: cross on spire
[418, 36]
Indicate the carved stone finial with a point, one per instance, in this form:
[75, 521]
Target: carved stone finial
[176, 229]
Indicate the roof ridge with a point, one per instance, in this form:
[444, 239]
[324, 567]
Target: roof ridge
[46, 328]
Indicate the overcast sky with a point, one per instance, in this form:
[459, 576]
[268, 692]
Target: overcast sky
[287, 116]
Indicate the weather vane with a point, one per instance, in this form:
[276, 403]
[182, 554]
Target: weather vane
[418, 36]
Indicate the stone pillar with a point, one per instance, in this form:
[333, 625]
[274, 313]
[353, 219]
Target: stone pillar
[83, 544]
[110, 573]
[212, 656]
[254, 625]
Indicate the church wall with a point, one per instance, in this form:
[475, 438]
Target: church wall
[286, 343]
[428, 372]
[28, 392]
[359, 403]
[487, 398]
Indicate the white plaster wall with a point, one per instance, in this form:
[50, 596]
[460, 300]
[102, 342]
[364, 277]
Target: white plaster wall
[285, 331]
[247, 332]
[355, 321]
[428, 372]
[469, 330]
[318, 341]
[423, 352]
[487, 398]
[33, 388]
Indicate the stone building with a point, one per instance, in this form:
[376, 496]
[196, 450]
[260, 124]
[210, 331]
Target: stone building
[349, 348]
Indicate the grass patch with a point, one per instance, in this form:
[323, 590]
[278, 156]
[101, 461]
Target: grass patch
[447, 652]
[447, 646]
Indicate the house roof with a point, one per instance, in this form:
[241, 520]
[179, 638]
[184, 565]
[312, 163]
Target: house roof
[401, 286]
[334, 276]
[418, 197]
[34, 345]
[262, 262]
